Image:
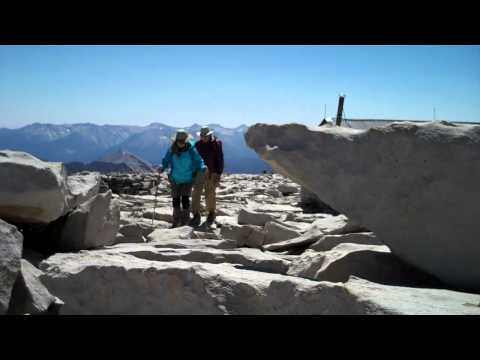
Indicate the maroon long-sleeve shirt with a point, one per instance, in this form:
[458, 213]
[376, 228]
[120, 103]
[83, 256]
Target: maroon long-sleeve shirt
[212, 154]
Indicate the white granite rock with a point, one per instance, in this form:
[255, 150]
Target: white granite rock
[161, 213]
[136, 232]
[245, 235]
[328, 242]
[329, 225]
[31, 191]
[248, 217]
[82, 187]
[275, 232]
[30, 296]
[414, 185]
[98, 282]
[244, 258]
[11, 242]
[371, 262]
[92, 224]
[286, 189]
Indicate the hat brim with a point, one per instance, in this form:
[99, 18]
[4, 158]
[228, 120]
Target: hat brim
[207, 134]
[174, 138]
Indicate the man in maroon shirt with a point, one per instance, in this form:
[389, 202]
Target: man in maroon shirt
[210, 149]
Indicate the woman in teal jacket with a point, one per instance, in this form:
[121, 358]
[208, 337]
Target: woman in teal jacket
[184, 162]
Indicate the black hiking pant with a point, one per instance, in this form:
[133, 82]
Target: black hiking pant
[184, 200]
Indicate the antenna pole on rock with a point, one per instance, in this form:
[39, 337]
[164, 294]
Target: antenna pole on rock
[340, 110]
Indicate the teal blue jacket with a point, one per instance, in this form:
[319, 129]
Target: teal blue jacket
[183, 165]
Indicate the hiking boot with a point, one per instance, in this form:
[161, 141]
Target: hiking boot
[195, 220]
[185, 217]
[210, 218]
[176, 217]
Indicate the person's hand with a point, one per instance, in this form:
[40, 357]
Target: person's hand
[160, 170]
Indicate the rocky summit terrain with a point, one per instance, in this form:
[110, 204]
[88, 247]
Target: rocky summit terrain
[69, 245]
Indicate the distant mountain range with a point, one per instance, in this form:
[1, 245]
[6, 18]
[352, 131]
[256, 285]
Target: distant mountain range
[132, 161]
[87, 143]
[119, 161]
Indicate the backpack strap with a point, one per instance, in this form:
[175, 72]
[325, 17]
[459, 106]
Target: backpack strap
[190, 151]
[215, 144]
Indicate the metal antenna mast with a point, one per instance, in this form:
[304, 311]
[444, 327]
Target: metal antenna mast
[340, 110]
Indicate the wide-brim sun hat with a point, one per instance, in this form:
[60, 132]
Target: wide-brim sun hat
[181, 134]
[205, 131]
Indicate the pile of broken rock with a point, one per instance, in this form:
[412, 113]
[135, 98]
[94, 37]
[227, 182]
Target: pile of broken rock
[43, 209]
[111, 254]
[133, 184]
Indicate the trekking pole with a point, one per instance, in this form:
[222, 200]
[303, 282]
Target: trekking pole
[155, 201]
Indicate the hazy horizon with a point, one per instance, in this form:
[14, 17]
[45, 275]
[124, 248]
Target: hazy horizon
[198, 124]
[115, 124]
[235, 85]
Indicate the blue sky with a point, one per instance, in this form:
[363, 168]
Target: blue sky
[234, 85]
